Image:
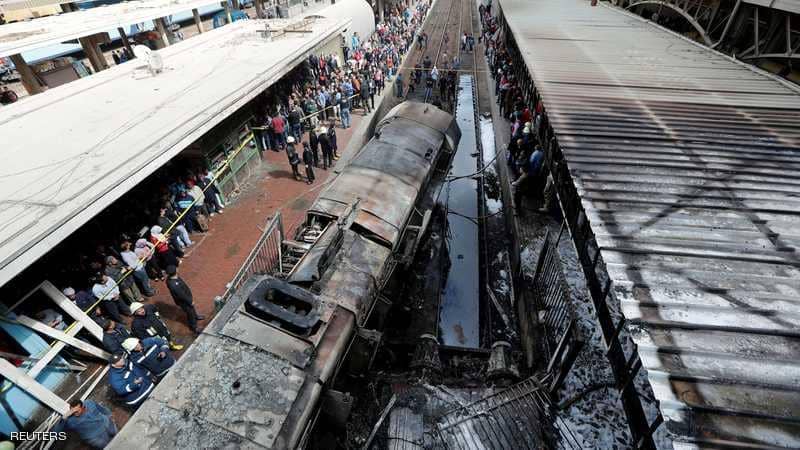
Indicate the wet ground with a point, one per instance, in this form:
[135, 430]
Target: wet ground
[459, 314]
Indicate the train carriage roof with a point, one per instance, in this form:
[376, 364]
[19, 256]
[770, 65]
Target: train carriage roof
[387, 175]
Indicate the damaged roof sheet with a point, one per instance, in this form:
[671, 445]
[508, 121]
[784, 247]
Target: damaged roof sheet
[687, 163]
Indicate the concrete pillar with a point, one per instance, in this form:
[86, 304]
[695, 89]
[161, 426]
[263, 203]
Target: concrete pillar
[380, 10]
[227, 7]
[197, 21]
[161, 27]
[259, 9]
[125, 41]
[27, 76]
[90, 47]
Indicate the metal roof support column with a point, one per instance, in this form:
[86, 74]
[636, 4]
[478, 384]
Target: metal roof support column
[381, 5]
[68, 7]
[755, 29]
[197, 21]
[125, 41]
[161, 27]
[90, 48]
[29, 79]
[227, 7]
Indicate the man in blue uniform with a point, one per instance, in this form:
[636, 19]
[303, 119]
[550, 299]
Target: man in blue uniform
[132, 382]
[91, 421]
[114, 334]
[151, 353]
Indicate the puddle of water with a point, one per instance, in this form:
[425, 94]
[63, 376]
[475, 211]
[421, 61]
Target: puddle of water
[459, 315]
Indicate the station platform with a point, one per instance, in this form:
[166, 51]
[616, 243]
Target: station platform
[97, 137]
[681, 165]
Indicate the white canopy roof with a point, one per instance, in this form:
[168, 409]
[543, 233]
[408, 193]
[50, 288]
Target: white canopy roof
[70, 152]
[25, 36]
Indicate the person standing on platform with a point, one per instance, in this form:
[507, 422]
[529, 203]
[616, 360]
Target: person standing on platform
[278, 128]
[313, 142]
[365, 90]
[105, 289]
[325, 145]
[294, 160]
[308, 160]
[332, 138]
[344, 110]
[182, 295]
[147, 323]
[398, 86]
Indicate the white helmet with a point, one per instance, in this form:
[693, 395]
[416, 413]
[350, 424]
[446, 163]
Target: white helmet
[290, 140]
[135, 306]
[130, 344]
[323, 130]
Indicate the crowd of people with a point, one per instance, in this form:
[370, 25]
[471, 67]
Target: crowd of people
[524, 154]
[303, 124]
[122, 277]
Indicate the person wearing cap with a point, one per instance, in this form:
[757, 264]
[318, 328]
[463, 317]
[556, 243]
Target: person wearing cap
[105, 289]
[114, 334]
[132, 382]
[147, 323]
[126, 284]
[151, 353]
[182, 296]
[294, 160]
[325, 145]
[90, 420]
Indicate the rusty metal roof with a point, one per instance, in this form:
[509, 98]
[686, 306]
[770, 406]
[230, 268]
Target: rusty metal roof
[687, 165]
[388, 173]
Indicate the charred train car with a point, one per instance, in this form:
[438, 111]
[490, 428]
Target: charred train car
[257, 375]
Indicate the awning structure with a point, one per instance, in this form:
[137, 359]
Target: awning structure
[30, 35]
[70, 152]
[686, 163]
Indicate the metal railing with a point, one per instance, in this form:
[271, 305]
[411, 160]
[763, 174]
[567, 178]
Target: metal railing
[264, 258]
[551, 297]
[520, 416]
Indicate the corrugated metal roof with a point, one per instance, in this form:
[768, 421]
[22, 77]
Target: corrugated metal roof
[687, 165]
[783, 5]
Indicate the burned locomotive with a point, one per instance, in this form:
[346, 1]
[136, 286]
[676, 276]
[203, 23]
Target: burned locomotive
[257, 375]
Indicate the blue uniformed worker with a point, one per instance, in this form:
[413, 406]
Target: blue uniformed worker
[151, 353]
[114, 334]
[132, 382]
[147, 322]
